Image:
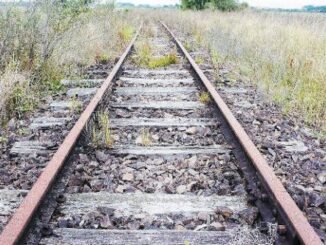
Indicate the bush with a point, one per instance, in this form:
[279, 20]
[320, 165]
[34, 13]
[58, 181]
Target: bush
[223, 5]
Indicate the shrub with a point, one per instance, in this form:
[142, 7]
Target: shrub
[53, 40]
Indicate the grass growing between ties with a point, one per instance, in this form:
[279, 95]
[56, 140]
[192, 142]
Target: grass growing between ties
[163, 61]
[104, 125]
[146, 138]
[98, 130]
[199, 60]
[204, 97]
[75, 105]
[144, 57]
[143, 53]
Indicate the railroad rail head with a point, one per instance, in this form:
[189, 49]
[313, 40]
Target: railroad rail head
[297, 223]
[20, 220]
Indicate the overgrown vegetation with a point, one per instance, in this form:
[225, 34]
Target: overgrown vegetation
[283, 53]
[75, 105]
[99, 131]
[144, 56]
[162, 61]
[143, 53]
[45, 41]
[204, 97]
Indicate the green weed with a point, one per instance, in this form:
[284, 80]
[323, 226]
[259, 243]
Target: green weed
[143, 53]
[199, 60]
[21, 100]
[75, 105]
[102, 59]
[215, 57]
[104, 124]
[204, 97]
[126, 33]
[144, 57]
[187, 46]
[3, 140]
[95, 137]
[98, 130]
[162, 61]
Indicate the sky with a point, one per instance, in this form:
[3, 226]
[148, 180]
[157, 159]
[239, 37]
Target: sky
[255, 3]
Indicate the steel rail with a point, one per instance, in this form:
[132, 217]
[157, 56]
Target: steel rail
[285, 203]
[21, 218]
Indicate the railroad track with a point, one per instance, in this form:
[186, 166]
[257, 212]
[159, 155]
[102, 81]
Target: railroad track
[149, 162]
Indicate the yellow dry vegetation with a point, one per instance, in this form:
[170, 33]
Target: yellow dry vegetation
[283, 53]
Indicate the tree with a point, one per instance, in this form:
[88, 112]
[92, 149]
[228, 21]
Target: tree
[194, 4]
[223, 5]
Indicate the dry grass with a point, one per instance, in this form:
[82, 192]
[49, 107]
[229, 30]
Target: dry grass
[98, 35]
[102, 37]
[143, 53]
[75, 105]
[145, 137]
[245, 235]
[98, 130]
[16, 93]
[144, 56]
[283, 53]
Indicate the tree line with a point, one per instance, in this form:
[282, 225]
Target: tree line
[312, 8]
[224, 5]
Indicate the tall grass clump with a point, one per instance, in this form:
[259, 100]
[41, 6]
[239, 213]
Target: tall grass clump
[162, 61]
[283, 53]
[144, 56]
[45, 41]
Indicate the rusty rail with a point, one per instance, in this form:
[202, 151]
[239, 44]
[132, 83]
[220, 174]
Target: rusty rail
[18, 223]
[285, 203]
